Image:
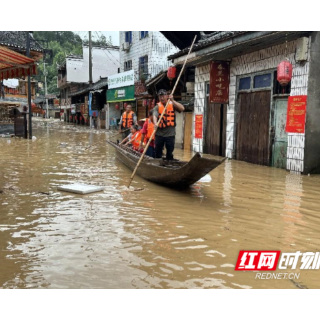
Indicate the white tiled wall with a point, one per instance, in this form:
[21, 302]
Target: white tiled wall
[202, 75]
[155, 45]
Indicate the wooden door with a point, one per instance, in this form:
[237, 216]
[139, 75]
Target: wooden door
[215, 129]
[279, 156]
[141, 110]
[253, 127]
[187, 131]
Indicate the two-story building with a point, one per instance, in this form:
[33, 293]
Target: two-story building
[73, 79]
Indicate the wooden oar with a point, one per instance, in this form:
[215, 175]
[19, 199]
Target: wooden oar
[162, 114]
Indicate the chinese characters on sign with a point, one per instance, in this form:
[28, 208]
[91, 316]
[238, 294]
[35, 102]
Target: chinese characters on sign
[219, 82]
[296, 114]
[198, 126]
[257, 260]
[268, 260]
[121, 79]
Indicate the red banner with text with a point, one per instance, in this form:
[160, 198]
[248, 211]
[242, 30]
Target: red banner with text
[296, 114]
[219, 82]
[198, 126]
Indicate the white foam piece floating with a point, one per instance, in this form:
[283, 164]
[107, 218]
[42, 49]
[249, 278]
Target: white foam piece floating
[206, 178]
[80, 188]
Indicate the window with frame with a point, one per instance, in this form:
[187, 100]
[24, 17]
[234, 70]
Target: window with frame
[143, 34]
[255, 81]
[128, 65]
[143, 67]
[128, 36]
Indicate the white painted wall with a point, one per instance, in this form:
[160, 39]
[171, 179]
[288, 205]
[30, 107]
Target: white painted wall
[179, 129]
[155, 45]
[265, 59]
[105, 62]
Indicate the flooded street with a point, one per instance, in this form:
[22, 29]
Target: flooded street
[154, 238]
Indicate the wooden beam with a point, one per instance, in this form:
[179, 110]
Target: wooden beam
[12, 64]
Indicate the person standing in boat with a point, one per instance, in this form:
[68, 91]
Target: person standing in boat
[146, 133]
[127, 119]
[166, 132]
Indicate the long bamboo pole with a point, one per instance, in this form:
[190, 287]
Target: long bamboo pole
[162, 114]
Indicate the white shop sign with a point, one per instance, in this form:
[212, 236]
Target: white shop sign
[121, 79]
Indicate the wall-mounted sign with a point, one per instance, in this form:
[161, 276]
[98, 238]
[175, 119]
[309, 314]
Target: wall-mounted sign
[120, 94]
[296, 114]
[219, 82]
[198, 128]
[123, 79]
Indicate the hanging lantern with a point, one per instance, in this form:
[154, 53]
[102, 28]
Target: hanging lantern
[171, 74]
[117, 107]
[284, 72]
[125, 104]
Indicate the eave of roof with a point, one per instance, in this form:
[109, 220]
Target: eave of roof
[18, 40]
[239, 44]
[208, 40]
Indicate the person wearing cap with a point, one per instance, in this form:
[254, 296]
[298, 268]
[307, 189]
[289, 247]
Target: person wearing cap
[147, 131]
[127, 119]
[166, 132]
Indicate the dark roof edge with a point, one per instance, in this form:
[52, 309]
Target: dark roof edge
[208, 41]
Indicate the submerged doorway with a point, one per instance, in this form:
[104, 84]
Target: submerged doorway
[215, 127]
[280, 144]
[253, 127]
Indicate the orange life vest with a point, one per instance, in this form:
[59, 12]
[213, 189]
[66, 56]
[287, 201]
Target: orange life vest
[127, 119]
[150, 130]
[137, 139]
[169, 118]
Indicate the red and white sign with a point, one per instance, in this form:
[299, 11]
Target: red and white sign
[257, 260]
[296, 114]
[198, 126]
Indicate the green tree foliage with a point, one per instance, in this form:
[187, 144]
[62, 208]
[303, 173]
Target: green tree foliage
[62, 43]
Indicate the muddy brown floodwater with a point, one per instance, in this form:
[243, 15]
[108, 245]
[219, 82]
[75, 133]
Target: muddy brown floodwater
[154, 238]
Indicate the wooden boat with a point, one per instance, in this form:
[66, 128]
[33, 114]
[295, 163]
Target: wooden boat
[177, 174]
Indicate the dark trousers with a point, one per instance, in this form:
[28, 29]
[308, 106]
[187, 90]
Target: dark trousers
[164, 141]
[150, 152]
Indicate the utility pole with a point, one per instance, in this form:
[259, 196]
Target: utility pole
[90, 74]
[90, 58]
[29, 88]
[45, 88]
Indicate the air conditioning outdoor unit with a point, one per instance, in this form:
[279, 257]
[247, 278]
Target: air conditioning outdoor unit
[126, 46]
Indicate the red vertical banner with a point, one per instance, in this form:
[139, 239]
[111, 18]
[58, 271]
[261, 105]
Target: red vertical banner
[296, 114]
[198, 126]
[219, 82]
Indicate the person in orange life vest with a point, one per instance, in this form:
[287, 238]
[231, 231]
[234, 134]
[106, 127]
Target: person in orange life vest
[146, 133]
[127, 119]
[166, 132]
[133, 130]
[133, 138]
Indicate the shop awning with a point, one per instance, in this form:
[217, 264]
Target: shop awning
[15, 65]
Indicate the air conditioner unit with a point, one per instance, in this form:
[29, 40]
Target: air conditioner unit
[302, 49]
[126, 46]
